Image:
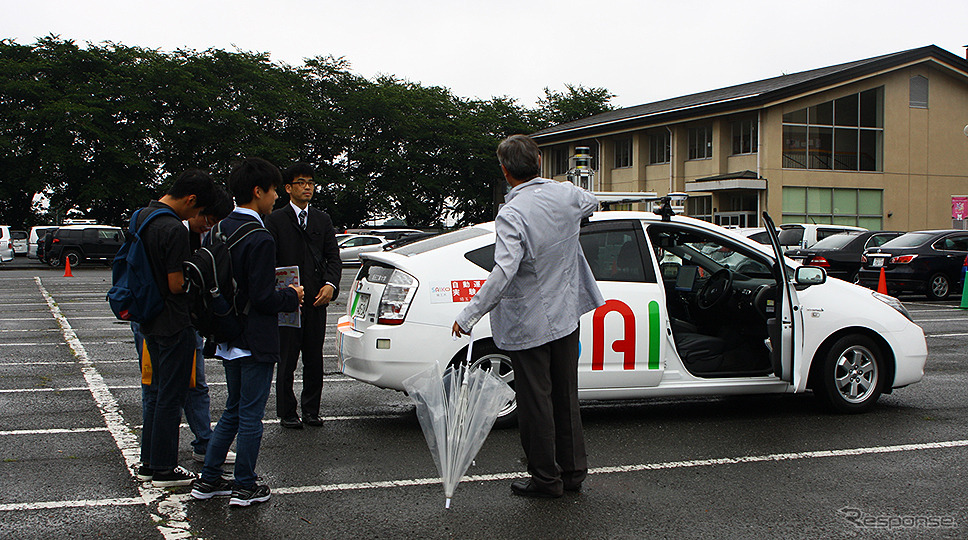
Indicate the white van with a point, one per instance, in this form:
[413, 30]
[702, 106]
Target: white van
[37, 235]
[6, 244]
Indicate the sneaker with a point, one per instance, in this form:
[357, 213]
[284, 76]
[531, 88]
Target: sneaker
[206, 490]
[247, 496]
[173, 478]
[143, 473]
[229, 458]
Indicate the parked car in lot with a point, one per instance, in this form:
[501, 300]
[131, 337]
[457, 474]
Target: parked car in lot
[804, 235]
[80, 243]
[6, 244]
[19, 242]
[36, 239]
[840, 254]
[928, 262]
[350, 248]
[717, 317]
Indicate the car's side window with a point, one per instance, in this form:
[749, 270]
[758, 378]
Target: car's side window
[877, 239]
[616, 252]
[959, 243]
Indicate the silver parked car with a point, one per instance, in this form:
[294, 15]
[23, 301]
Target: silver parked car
[350, 248]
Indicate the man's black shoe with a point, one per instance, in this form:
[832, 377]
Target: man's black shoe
[312, 420]
[573, 487]
[526, 488]
[291, 423]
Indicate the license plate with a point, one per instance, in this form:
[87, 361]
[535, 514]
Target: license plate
[362, 302]
[877, 262]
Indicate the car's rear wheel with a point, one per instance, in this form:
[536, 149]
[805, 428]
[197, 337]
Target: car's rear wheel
[939, 287]
[72, 256]
[851, 375]
[487, 356]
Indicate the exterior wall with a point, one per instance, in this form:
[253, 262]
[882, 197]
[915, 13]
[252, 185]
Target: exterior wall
[925, 153]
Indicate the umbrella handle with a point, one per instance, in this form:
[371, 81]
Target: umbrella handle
[470, 347]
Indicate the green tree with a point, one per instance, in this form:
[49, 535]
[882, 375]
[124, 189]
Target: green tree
[574, 103]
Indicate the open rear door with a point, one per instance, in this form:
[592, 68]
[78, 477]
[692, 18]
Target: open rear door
[784, 329]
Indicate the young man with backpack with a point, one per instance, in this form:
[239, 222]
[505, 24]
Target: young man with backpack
[169, 336]
[197, 403]
[249, 358]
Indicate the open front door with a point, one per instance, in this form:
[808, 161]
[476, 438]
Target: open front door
[785, 328]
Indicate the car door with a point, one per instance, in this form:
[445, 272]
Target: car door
[954, 249]
[622, 343]
[786, 328]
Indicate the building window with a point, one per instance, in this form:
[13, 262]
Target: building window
[701, 142]
[559, 160]
[623, 153]
[744, 137]
[700, 208]
[835, 206]
[660, 147]
[846, 134]
[919, 92]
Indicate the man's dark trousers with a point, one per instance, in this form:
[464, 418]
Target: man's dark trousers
[546, 387]
[171, 372]
[307, 340]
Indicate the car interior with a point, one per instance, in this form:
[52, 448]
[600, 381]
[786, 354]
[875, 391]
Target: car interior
[721, 298]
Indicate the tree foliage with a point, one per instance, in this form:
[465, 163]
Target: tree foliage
[97, 130]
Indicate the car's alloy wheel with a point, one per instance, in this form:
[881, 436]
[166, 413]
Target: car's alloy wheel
[851, 374]
[939, 287]
[488, 357]
[74, 257]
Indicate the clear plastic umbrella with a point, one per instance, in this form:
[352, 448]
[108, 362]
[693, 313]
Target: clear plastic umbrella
[456, 409]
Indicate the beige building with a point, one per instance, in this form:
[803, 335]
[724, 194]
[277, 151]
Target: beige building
[879, 143]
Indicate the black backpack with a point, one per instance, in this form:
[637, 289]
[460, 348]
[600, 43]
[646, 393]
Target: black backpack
[211, 287]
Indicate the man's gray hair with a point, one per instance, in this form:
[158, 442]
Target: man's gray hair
[520, 156]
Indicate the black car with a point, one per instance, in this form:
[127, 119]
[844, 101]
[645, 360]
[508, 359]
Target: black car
[928, 262]
[80, 243]
[840, 254]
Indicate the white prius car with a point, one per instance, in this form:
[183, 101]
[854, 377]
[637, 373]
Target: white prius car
[690, 309]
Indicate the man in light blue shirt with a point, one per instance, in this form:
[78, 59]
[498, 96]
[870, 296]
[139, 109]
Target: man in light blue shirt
[538, 289]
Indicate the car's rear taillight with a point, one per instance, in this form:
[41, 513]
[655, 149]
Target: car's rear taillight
[863, 259]
[818, 261]
[902, 259]
[396, 298]
[55, 241]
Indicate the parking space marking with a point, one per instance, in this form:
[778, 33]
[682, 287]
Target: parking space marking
[173, 521]
[408, 482]
[947, 335]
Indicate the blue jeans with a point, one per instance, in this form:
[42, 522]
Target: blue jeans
[171, 371]
[248, 383]
[197, 403]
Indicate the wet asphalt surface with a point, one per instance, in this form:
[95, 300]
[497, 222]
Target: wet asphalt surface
[740, 467]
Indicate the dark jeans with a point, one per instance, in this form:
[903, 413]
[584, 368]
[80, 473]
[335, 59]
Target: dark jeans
[248, 383]
[546, 388]
[307, 340]
[171, 371]
[197, 402]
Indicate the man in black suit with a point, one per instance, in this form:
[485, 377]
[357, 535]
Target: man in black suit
[305, 238]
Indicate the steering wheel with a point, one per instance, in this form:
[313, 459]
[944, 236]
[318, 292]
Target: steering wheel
[761, 299]
[716, 289]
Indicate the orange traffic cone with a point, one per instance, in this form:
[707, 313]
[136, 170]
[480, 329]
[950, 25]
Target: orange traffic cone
[882, 283]
[67, 267]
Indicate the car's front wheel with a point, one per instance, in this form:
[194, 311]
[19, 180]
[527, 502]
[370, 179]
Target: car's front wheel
[939, 287]
[487, 356]
[851, 375]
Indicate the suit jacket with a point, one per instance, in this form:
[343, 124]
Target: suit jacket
[541, 283]
[254, 269]
[292, 250]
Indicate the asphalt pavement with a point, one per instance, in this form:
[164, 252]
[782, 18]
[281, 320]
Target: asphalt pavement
[737, 467]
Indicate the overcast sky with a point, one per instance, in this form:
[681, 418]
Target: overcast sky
[642, 51]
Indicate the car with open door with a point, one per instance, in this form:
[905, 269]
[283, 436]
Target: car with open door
[690, 309]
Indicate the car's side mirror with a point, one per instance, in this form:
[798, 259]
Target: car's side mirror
[809, 275]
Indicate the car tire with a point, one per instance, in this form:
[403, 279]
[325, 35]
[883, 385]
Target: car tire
[73, 256]
[851, 376]
[938, 287]
[486, 355]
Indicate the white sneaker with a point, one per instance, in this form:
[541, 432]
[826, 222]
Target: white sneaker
[229, 458]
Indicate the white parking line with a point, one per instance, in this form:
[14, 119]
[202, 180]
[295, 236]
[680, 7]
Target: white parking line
[173, 523]
[947, 335]
[618, 469]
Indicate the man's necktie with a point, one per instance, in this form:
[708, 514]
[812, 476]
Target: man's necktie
[302, 219]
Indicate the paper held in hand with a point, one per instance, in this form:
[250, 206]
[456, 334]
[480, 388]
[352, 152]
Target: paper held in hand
[286, 276]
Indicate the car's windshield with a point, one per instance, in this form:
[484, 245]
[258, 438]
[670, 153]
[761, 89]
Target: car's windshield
[836, 241]
[908, 240]
[441, 240]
